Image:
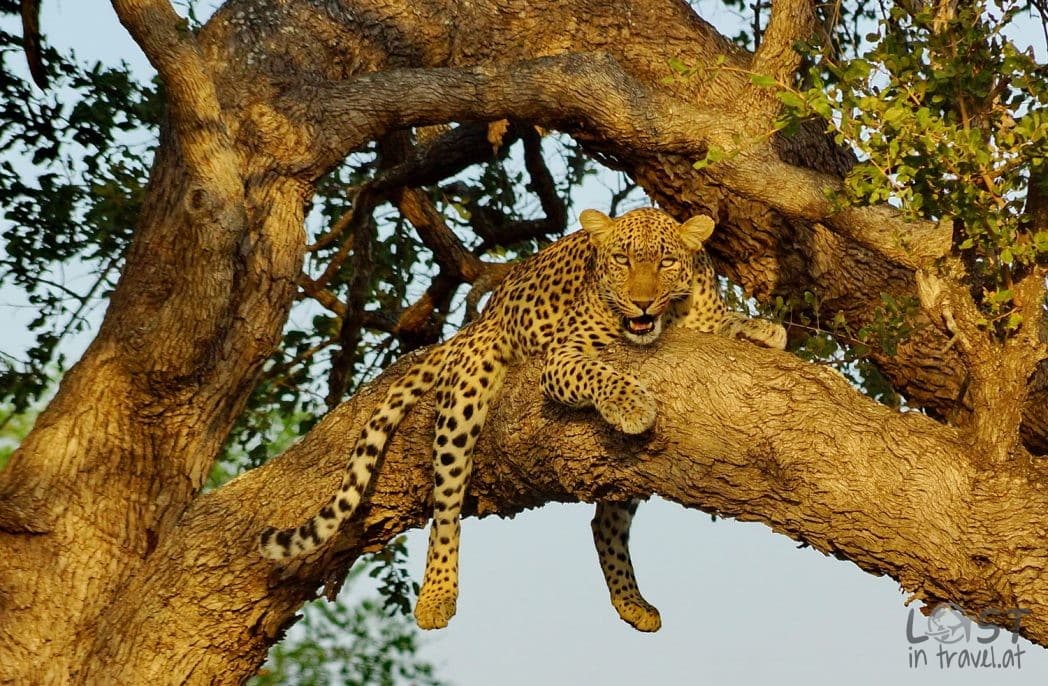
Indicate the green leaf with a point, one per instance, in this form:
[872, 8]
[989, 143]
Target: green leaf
[461, 210]
[1002, 296]
[792, 100]
[763, 81]
[677, 65]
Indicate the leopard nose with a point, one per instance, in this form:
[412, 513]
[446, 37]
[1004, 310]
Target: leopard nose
[642, 303]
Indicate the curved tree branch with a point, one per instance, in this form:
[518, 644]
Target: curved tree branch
[742, 432]
[772, 253]
[588, 95]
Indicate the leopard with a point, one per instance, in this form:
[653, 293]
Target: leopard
[617, 279]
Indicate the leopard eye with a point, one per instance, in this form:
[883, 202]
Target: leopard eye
[668, 262]
[620, 258]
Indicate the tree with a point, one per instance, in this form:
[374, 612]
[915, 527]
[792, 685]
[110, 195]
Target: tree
[940, 292]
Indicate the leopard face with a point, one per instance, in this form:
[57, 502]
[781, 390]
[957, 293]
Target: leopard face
[644, 262]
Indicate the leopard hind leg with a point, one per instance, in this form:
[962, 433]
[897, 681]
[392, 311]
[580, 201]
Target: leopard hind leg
[464, 393]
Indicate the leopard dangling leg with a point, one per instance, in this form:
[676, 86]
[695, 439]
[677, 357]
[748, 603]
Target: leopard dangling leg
[611, 534]
[474, 376]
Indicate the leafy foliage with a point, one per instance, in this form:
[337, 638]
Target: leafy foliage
[54, 223]
[14, 426]
[950, 119]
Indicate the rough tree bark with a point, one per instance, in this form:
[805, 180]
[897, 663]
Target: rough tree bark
[116, 569]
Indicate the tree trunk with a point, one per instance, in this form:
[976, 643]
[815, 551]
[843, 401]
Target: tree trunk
[117, 570]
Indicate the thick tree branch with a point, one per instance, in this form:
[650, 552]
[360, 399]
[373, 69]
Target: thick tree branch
[768, 252]
[207, 284]
[588, 95]
[791, 21]
[896, 493]
[998, 373]
[193, 108]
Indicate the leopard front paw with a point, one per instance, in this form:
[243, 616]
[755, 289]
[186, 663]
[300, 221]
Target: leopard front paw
[768, 334]
[630, 410]
[759, 331]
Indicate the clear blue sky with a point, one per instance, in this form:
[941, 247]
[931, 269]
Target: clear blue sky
[739, 603]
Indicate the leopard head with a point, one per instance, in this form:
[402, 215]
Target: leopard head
[644, 262]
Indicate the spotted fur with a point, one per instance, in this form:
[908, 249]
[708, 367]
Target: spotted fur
[618, 278]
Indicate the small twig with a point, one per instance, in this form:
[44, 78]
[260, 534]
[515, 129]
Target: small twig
[341, 224]
[278, 372]
[542, 182]
[309, 289]
[86, 299]
[353, 222]
[31, 43]
[392, 150]
[1042, 8]
[621, 194]
[757, 34]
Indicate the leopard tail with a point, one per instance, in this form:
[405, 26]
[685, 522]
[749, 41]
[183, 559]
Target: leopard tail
[279, 544]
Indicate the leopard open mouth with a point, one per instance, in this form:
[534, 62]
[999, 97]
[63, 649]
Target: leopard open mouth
[639, 326]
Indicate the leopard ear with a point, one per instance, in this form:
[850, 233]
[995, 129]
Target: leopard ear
[696, 230]
[597, 225]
